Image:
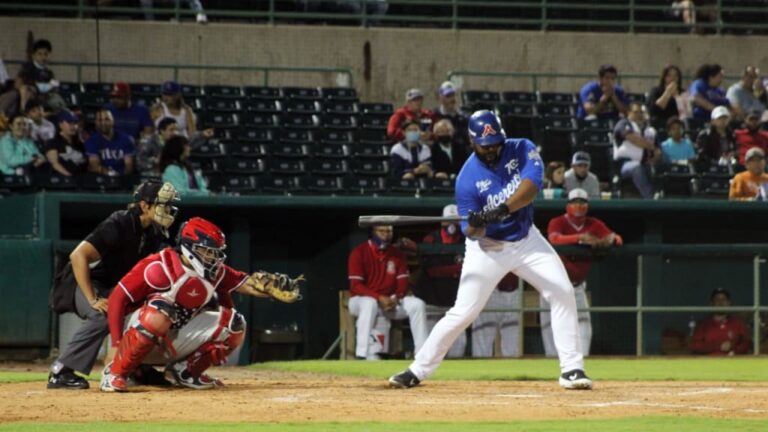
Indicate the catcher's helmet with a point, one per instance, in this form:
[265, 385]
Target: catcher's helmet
[202, 244]
[485, 129]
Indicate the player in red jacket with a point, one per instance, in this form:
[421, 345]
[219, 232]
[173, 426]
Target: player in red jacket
[576, 228]
[175, 308]
[721, 334]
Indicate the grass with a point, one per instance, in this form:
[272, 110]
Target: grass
[645, 369]
[676, 424]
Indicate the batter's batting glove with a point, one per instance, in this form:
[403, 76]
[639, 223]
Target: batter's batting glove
[476, 219]
[496, 215]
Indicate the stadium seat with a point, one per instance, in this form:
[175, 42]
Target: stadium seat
[517, 119]
[92, 101]
[370, 167]
[554, 98]
[208, 166]
[330, 150]
[596, 124]
[15, 182]
[343, 122]
[593, 138]
[678, 181]
[188, 91]
[296, 136]
[223, 91]
[602, 161]
[374, 136]
[370, 151]
[286, 166]
[301, 106]
[487, 99]
[721, 171]
[354, 185]
[279, 184]
[301, 121]
[257, 120]
[304, 93]
[210, 149]
[245, 166]
[231, 183]
[246, 149]
[219, 119]
[269, 93]
[263, 106]
[374, 121]
[143, 89]
[555, 110]
[376, 108]
[518, 97]
[339, 94]
[70, 87]
[340, 107]
[103, 183]
[99, 88]
[402, 187]
[337, 137]
[56, 181]
[329, 167]
[555, 140]
[437, 186]
[288, 149]
[322, 185]
[636, 97]
[709, 186]
[261, 136]
[219, 104]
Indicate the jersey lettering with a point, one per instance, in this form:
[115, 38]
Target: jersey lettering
[494, 201]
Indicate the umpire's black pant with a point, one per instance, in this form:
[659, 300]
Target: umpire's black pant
[80, 354]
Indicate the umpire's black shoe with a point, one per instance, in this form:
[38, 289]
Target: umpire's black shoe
[405, 379]
[575, 380]
[66, 379]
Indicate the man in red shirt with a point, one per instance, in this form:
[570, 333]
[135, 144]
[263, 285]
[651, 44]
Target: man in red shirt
[576, 228]
[751, 136]
[721, 334]
[378, 281]
[412, 110]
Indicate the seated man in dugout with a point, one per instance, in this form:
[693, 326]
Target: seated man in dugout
[378, 282]
[721, 334]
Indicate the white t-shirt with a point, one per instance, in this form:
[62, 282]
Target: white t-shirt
[627, 149]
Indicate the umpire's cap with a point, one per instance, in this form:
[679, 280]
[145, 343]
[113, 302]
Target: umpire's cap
[149, 191]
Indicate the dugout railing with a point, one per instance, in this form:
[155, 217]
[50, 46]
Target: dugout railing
[584, 15]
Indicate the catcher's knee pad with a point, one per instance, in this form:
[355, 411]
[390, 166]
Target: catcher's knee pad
[137, 342]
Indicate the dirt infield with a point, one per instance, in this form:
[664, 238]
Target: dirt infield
[258, 396]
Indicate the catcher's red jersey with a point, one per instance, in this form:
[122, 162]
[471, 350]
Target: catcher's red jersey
[163, 276]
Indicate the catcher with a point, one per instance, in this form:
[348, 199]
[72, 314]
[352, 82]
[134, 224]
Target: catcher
[175, 308]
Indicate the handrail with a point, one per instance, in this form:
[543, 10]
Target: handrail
[544, 13]
[176, 68]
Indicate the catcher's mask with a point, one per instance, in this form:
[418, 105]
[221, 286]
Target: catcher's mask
[202, 244]
[161, 196]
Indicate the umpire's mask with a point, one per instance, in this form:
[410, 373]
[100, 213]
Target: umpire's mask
[160, 196]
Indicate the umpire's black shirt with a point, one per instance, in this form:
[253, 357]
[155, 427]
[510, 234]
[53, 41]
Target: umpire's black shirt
[121, 242]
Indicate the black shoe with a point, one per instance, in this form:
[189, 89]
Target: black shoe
[147, 375]
[575, 380]
[66, 379]
[405, 379]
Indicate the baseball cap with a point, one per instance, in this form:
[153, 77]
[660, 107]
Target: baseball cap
[720, 111]
[67, 116]
[581, 158]
[171, 88]
[719, 290]
[450, 210]
[446, 89]
[578, 194]
[412, 94]
[120, 89]
[754, 152]
[754, 114]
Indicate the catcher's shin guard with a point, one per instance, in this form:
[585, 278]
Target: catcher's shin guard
[137, 342]
[227, 338]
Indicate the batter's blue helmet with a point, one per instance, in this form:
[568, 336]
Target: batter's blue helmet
[485, 128]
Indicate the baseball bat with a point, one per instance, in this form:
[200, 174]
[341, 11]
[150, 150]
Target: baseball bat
[367, 221]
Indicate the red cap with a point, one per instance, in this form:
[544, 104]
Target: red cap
[120, 89]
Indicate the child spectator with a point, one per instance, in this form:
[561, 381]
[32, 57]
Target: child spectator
[554, 179]
[65, 152]
[40, 129]
[174, 164]
[677, 149]
[410, 158]
[43, 77]
[746, 185]
[18, 153]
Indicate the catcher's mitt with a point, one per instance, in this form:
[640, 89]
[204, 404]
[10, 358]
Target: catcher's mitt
[276, 285]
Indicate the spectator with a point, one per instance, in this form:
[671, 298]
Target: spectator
[378, 279]
[13, 101]
[448, 155]
[636, 151]
[410, 158]
[149, 149]
[746, 185]
[721, 334]
[174, 164]
[195, 6]
[414, 99]
[449, 109]
[748, 94]
[716, 145]
[438, 279]
[602, 98]
[18, 153]
[65, 152]
[37, 70]
[579, 177]
[684, 9]
[172, 105]
[705, 91]
[576, 228]
[109, 151]
[662, 99]
[132, 119]
[751, 136]
[554, 178]
[3, 72]
[40, 129]
[677, 149]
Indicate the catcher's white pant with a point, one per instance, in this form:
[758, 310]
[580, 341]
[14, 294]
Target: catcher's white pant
[185, 340]
[585, 323]
[485, 263]
[459, 346]
[366, 309]
[485, 327]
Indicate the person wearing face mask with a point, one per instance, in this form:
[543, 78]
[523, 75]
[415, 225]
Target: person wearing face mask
[96, 265]
[576, 228]
[448, 156]
[410, 158]
[378, 282]
[449, 110]
[721, 334]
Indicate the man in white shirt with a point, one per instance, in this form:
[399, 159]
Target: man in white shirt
[635, 146]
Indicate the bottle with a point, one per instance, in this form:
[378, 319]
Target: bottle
[691, 326]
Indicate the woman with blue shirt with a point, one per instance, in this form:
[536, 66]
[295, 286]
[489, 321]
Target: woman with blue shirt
[18, 153]
[677, 148]
[174, 164]
[706, 91]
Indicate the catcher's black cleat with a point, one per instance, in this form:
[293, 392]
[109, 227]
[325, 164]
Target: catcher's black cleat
[66, 379]
[405, 379]
[147, 375]
[575, 380]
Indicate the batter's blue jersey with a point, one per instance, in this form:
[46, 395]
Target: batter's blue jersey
[480, 188]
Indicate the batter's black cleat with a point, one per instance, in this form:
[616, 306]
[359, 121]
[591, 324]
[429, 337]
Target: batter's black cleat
[405, 379]
[66, 379]
[575, 380]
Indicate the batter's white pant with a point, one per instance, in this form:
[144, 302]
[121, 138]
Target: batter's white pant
[585, 323]
[459, 346]
[185, 340]
[487, 324]
[366, 309]
[486, 261]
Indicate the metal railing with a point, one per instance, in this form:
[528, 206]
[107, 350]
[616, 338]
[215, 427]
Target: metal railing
[175, 69]
[627, 16]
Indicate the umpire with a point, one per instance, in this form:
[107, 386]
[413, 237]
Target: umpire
[96, 265]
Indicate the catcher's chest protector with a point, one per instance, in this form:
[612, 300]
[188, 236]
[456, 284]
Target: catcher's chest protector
[179, 285]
